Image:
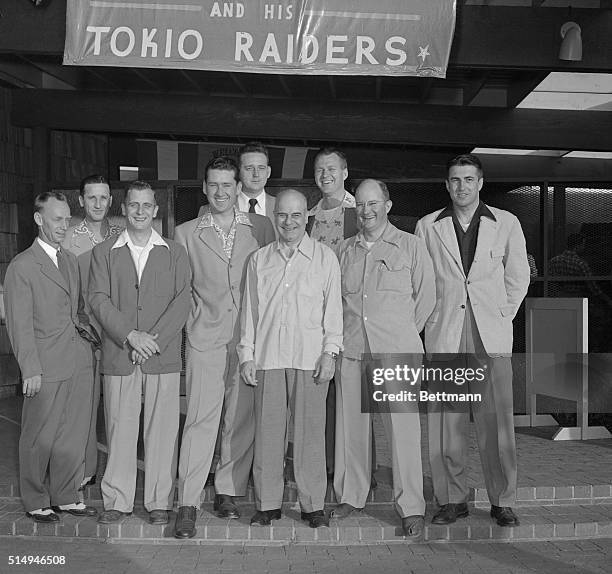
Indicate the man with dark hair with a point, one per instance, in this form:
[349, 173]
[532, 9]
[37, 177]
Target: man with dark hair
[139, 292]
[482, 275]
[290, 336]
[254, 163]
[218, 244]
[95, 199]
[50, 335]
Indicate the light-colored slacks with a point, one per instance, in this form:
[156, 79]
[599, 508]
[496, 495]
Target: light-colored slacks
[206, 373]
[237, 432]
[122, 406]
[281, 393]
[354, 447]
[494, 422]
[54, 427]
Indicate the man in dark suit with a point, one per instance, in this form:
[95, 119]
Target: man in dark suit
[139, 292]
[482, 275]
[218, 243]
[48, 329]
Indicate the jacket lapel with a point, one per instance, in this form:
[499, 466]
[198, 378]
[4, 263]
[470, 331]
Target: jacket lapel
[209, 237]
[49, 268]
[487, 231]
[446, 231]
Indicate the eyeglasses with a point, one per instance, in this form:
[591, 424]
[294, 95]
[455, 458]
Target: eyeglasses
[369, 204]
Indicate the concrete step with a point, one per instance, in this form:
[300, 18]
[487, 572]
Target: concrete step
[377, 524]
[383, 494]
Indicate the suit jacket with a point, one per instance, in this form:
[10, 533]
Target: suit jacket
[159, 303]
[218, 282]
[43, 312]
[496, 283]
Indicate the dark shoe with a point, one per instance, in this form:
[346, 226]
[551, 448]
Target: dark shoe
[225, 507]
[449, 513]
[79, 510]
[343, 510]
[264, 517]
[110, 516]
[43, 518]
[504, 515]
[413, 526]
[185, 522]
[90, 482]
[315, 519]
[158, 516]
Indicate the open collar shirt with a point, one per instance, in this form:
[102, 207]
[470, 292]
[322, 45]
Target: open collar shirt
[388, 292]
[140, 255]
[292, 307]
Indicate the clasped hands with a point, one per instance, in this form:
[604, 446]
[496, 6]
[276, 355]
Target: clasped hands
[144, 346]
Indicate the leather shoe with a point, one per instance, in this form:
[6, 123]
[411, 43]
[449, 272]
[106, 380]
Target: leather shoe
[504, 515]
[43, 518]
[449, 513]
[158, 516]
[225, 507]
[315, 519]
[265, 517]
[80, 510]
[110, 516]
[343, 510]
[413, 526]
[185, 522]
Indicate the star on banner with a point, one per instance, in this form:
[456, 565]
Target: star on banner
[423, 52]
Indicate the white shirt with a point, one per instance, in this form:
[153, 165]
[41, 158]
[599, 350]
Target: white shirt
[140, 255]
[243, 202]
[49, 250]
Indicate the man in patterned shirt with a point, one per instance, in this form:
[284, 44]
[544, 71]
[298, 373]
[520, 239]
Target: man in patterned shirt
[218, 244]
[95, 199]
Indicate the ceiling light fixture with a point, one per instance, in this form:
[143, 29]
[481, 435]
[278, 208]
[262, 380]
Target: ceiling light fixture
[571, 46]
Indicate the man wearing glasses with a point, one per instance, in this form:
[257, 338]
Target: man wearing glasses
[388, 292]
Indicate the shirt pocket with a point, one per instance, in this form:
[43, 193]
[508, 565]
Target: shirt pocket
[310, 300]
[394, 276]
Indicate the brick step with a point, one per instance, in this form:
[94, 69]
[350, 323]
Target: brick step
[377, 524]
[383, 494]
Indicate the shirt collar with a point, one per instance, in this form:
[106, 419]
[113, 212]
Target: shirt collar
[481, 211]
[389, 235]
[111, 229]
[48, 249]
[305, 247]
[124, 239]
[207, 218]
[347, 201]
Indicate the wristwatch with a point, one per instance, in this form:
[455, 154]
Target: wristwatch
[333, 355]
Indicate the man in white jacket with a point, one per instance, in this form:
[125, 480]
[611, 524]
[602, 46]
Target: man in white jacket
[482, 275]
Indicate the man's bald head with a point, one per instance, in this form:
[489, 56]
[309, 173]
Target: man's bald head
[290, 216]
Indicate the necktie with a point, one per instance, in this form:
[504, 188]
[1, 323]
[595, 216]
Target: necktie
[252, 204]
[62, 265]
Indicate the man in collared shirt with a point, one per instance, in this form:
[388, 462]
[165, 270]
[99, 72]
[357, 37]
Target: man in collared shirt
[388, 292]
[218, 244]
[95, 199]
[290, 335]
[139, 292]
[332, 220]
[48, 329]
[482, 275]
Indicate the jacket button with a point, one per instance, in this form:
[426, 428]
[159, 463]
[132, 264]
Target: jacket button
[463, 306]
[139, 308]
